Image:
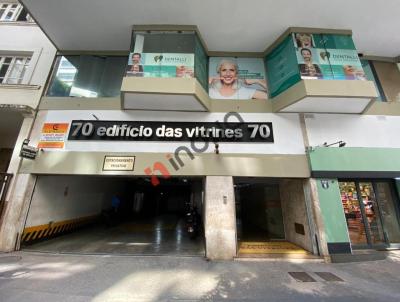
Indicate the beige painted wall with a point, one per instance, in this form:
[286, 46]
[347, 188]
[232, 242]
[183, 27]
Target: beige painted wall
[389, 76]
[58, 198]
[91, 163]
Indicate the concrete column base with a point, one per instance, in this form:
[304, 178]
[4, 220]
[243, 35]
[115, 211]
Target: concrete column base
[311, 188]
[18, 197]
[220, 218]
[15, 212]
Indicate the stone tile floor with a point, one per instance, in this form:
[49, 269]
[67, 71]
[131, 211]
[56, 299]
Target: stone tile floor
[164, 235]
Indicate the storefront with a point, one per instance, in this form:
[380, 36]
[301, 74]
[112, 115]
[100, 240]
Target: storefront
[371, 211]
[357, 183]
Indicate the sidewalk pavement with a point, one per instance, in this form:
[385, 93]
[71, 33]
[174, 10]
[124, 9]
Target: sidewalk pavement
[26, 276]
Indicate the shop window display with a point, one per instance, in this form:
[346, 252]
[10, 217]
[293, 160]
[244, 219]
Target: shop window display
[364, 218]
[370, 204]
[352, 211]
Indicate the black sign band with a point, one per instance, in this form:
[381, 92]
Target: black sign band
[171, 131]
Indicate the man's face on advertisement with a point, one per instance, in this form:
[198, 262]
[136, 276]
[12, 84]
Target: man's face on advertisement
[136, 59]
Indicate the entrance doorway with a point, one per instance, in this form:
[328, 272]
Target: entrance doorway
[371, 213]
[259, 212]
[271, 218]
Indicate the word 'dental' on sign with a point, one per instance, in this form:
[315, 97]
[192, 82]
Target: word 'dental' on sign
[171, 131]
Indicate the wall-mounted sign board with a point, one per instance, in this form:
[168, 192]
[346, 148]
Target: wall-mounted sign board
[170, 131]
[118, 163]
[27, 151]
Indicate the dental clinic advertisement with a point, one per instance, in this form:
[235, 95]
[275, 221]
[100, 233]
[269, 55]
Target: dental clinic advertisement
[160, 65]
[281, 64]
[318, 58]
[237, 78]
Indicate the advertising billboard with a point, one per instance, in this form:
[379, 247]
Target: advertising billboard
[237, 78]
[327, 57]
[281, 64]
[160, 65]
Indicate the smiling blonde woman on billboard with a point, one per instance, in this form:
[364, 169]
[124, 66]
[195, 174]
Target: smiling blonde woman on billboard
[228, 85]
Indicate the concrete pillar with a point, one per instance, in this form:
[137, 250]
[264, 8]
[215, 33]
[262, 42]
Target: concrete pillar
[18, 197]
[220, 218]
[310, 187]
[15, 212]
[310, 216]
[22, 135]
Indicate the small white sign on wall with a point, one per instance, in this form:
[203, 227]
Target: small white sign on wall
[118, 163]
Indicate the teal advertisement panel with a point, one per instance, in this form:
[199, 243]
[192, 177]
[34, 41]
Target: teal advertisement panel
[282, 67]
[327, 57]
[201, 64]
[338, 42]
[160, 65]
[237, 78]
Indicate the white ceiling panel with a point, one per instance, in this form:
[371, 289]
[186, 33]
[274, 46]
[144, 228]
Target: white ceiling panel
[149, 101]
[226, 25]
[328, 105]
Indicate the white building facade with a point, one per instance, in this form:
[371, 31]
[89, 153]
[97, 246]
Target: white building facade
[301, 150]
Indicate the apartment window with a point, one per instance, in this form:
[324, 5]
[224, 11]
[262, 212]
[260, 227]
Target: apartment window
[14, 12]
[13, 69]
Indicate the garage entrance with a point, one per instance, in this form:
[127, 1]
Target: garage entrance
[114, 215]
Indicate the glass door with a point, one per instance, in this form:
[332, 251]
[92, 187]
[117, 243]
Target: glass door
[353, 213]
[389, 212]
[372, 215]
[362, 214]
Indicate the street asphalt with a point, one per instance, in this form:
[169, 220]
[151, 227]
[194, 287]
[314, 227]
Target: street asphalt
[31, 276]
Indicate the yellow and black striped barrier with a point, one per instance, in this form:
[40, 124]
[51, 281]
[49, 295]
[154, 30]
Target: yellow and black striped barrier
[52, 229]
